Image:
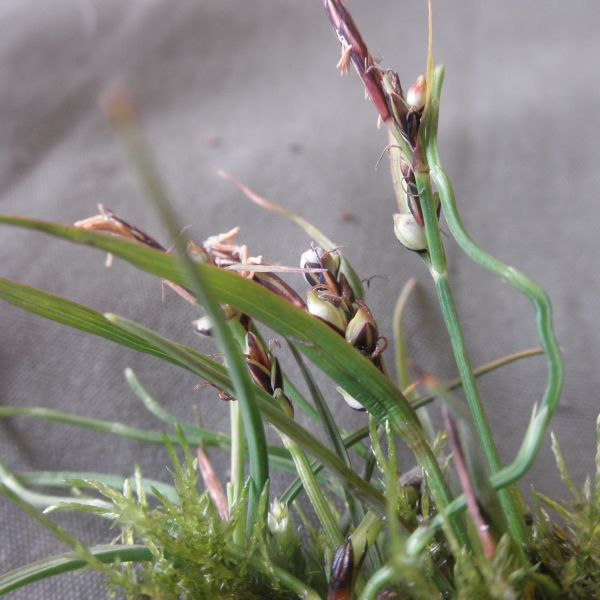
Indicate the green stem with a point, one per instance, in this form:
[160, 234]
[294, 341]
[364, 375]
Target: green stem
[402, 370]
[381, 579]
[455, 333]
[320, 504]
[10, 482]
[541, 417]
[331, 429]
[66, 479]
[126, 126]
[237, 464]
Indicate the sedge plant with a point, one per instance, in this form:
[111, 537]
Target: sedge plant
[349, 524]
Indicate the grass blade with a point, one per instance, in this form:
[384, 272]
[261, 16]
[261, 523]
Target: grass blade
[121, 111]
[270, 412]
[279, 457]
[64, 563]
[317, 341]
[64, 479]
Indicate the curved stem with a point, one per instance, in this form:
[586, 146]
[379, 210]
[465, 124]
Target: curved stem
[455, 333]
[541, 417]
[377, 582]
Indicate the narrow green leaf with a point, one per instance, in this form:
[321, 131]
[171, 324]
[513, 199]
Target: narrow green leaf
[327, 420]
[64, 563]
[40, 500]
[279, 457]
[131, 135]
[208, 438]
[270, 412]
[355, 373]
[324, 347]
[331, 429]
[157, 410]
[65, 479]
[72, 314]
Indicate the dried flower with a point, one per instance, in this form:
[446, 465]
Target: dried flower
[108, 222]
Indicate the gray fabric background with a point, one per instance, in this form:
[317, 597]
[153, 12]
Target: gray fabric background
[518, 136]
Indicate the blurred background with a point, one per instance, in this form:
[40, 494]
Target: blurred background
[250, 86]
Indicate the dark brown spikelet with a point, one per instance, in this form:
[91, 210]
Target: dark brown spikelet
[109, 222]
[342, 573]
[275, 284]
[353, 43]
[256, 352]
[260, 375]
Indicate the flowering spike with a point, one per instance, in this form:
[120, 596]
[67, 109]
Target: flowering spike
[349, 36]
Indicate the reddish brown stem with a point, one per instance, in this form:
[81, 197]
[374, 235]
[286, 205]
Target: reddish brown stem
[481, 526]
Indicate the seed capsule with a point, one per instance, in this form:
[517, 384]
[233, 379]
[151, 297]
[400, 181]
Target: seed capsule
[362, 330]
[276, 375]
[317, 258]
[417, 93]
[409, 233]
[203, 325]
[326, 311]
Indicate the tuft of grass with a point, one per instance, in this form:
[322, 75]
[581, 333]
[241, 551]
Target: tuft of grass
[353, 522]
